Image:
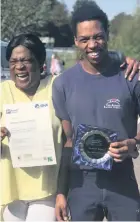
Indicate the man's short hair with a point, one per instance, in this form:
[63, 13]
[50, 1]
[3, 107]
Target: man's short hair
[89, 11]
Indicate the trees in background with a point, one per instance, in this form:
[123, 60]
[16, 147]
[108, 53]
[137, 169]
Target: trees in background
[125, 34]
[23, 15]
[52, 18]
[42, 17]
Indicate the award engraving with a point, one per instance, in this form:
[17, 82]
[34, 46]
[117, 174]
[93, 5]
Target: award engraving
[94, 144]
[91, 147]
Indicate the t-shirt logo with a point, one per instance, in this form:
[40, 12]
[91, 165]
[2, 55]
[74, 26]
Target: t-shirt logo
[112, 104]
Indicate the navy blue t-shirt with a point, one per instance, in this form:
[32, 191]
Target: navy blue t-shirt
[109, 101]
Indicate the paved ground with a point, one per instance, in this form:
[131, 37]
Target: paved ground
[137, 169]
[137, 162]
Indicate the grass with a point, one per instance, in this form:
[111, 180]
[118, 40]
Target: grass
[69, 58]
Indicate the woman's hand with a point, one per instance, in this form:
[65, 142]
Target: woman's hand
[3, 133]
[133, 67]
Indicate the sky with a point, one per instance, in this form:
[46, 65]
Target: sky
[110, 7]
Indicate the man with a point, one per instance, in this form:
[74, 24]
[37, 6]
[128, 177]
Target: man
[95, 92]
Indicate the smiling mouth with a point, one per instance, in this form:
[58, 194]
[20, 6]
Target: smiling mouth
[22, 76]
[93, 55]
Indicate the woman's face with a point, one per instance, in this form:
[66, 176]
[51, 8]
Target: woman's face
[24, 68]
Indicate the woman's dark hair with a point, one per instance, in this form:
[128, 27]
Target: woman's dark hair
[88, 11]
[30, 41]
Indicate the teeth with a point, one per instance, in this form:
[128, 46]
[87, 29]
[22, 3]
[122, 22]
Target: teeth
[22, 78]
[94, 54]
[19, 75]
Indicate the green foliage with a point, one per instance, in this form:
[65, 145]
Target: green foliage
[51, 18]
[118, 22]
[23, 15]
[31, 15]
[125, 34]
[60, 14]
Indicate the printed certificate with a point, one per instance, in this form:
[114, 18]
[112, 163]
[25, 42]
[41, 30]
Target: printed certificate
[31, 141]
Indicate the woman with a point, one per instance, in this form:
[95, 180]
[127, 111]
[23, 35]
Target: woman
[56, 65]
[28, 194]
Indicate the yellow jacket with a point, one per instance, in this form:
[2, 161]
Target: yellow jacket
[34, 182]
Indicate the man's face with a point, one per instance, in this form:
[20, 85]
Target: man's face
[24, 68]
[91, 39]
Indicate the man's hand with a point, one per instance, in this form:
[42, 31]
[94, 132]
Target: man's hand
[3, 133]
[132, 68]
[121, 150]
[61, 208]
